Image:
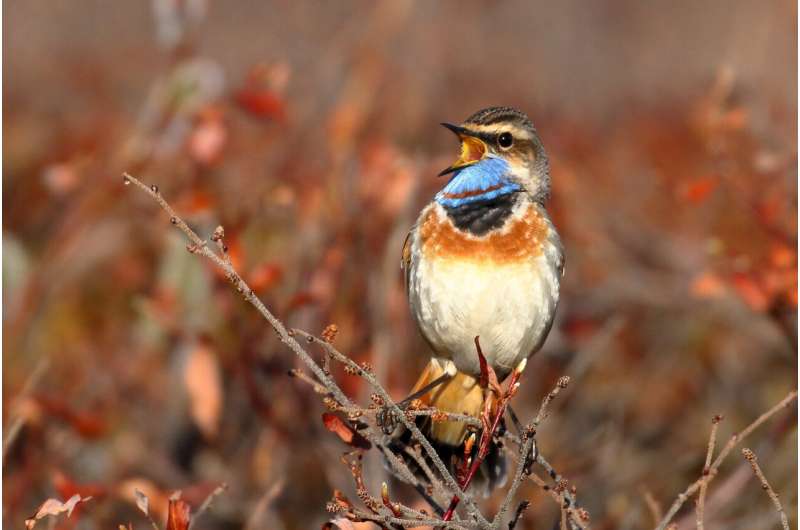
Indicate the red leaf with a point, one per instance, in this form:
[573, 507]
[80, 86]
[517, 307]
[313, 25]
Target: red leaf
[178, 515]
[750, 291]
[262, 103]
[344, 431]
[700, 189]
[300, 299]
[265, 276]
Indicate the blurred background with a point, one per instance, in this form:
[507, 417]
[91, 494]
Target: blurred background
[310, 131]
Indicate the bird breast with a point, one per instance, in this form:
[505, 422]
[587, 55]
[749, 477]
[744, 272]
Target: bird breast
[502, 286]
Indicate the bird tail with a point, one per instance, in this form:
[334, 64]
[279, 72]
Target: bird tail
[460, 395]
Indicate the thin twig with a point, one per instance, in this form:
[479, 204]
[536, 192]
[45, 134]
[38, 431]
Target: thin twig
[712, 471]
[522, 470]
[529, 437]
[563, 382]
[263, 504]
[653, 505]
[701, 498]
[13, 430]
[578, 517]
[447, 477]
[207, 503]
[521, 507]
[751, 457]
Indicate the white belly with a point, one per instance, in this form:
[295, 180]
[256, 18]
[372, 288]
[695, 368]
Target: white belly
[510, 307]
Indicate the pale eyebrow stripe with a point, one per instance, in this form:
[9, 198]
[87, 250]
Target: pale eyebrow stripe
[495, 128]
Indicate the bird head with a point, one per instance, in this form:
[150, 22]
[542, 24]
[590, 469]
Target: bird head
[500, 153]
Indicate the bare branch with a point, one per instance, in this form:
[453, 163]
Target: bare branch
[701, 499]
[751, 457]
[207, 503]
[714, 468]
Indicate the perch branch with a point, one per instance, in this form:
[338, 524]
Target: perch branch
[222, 261]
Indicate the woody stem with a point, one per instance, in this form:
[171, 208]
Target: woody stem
[488, 433]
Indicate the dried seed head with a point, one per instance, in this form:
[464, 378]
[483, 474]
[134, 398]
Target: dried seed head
[563, 381]
[528, 432]
[377, 400]
[350, 370]
[749, 455]
[583, 515]
[334, 507]
[154, 188]
[330, 332]
[416, 404]
[367, 367]
[438, 416]
[330, 403]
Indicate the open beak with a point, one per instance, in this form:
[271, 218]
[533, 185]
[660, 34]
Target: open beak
[472, 149]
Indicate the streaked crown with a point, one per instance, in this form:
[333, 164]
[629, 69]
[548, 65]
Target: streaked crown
[500, 153]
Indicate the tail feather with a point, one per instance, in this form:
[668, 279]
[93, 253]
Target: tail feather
[460, 395]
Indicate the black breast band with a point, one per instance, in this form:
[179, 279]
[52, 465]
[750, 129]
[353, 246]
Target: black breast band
[480, 217]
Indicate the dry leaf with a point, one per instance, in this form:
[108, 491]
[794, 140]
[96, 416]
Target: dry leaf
[54, 507]
[707, 285]
[142, 502]
[344, 431]
[204, 386]
[156, 499]
[208, 138]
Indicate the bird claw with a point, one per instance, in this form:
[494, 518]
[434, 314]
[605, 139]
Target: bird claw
[388, 419]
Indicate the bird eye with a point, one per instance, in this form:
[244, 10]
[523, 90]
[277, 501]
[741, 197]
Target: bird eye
[505, 140]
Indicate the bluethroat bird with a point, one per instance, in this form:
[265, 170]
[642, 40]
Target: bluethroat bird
[483, 259]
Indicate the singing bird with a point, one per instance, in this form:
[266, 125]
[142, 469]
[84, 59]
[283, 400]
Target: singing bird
[483, 259]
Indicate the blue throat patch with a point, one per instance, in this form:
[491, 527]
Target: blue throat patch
[483, 181]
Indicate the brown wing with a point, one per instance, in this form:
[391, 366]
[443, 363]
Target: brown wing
[405, 259]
